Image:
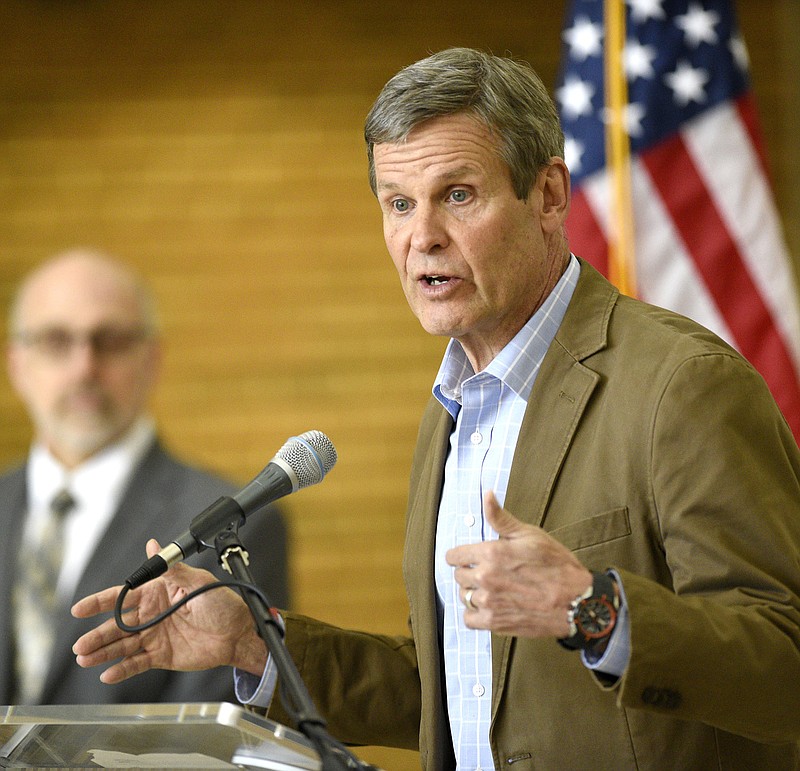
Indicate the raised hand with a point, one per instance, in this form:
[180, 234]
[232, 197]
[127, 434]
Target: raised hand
[213, 629]
[521, 584]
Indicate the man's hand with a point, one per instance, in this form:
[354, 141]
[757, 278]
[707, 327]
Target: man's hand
[521, 584]
[214, 629]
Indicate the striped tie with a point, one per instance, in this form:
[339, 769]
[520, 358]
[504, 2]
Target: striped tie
[35, 603]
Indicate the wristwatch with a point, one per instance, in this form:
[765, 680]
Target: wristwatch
[593, 615]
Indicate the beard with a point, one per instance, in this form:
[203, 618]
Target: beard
[82, 422]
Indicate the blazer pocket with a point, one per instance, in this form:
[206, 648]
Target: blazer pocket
[600, 528]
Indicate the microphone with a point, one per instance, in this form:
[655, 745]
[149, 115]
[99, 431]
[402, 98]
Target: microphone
[302, 461]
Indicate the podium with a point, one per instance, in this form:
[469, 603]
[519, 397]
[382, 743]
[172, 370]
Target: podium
[145, 736]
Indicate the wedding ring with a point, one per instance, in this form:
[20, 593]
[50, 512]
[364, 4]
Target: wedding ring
[468, 599]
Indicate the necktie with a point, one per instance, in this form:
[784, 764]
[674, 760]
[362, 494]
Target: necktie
[35, 601]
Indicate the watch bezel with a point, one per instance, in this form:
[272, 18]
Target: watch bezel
[603, 591]
[584, 605]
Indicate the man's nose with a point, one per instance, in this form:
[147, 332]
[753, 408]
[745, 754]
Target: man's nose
[82, 354]
[429, 229]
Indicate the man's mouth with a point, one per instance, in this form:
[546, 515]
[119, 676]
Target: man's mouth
[436, 280]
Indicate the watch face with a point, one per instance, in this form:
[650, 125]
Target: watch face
[595, 617]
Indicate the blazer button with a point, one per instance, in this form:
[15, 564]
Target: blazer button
[663, 698]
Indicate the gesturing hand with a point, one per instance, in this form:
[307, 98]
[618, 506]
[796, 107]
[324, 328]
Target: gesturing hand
[213, 629]
[521, 584]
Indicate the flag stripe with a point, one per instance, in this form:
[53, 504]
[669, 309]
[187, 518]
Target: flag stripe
[667, 273]
[748, 212]
[746, 108]
[721, 265]
[584, 233]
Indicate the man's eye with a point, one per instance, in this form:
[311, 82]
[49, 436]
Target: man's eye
[400, 205]
[459, 196]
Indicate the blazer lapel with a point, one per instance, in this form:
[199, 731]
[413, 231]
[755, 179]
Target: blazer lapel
[418, 571]
[557, 403]
[559, 397]
[418, 560]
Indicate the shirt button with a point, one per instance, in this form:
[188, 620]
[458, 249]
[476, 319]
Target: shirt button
[476, 437]
[478, 690]
[469, 520]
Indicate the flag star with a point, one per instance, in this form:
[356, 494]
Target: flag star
[584, 38]
[634, 115]
[631, 118]
[575, 97]
[698, 25]
[687, 83]
[739, 52]
[638, 60]
[573, 153]
[642, 10]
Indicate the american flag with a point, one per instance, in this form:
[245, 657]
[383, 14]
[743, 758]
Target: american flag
[671, 193]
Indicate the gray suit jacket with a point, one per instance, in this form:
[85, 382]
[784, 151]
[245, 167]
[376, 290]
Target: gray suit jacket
[650, 446]
[162, 498]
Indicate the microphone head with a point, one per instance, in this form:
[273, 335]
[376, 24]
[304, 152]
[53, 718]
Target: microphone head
[310, 456]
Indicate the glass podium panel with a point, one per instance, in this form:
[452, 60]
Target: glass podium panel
[149, 736]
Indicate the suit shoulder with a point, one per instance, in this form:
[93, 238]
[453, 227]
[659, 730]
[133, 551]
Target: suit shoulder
[600, 320]
[12, 481]
[12, 472]
[180, 478]
[663, 332]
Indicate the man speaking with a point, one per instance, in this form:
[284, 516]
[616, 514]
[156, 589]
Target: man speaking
[603, 523]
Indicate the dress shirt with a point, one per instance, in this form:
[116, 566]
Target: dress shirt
[97, 486]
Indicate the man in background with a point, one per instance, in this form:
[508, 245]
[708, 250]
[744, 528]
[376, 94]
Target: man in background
[84, 356]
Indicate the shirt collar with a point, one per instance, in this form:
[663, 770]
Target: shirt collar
[518, 363]
[105, 473]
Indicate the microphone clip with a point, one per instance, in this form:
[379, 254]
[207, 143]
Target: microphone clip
[227, 544]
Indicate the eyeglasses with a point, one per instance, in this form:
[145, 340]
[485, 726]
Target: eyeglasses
[57, 343]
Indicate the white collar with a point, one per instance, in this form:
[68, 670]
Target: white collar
[104, 474]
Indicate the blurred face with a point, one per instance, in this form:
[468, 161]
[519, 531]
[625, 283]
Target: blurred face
[82, 359]
[475, 262]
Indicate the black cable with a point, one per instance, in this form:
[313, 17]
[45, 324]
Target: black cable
[240, 585]
[332, 752]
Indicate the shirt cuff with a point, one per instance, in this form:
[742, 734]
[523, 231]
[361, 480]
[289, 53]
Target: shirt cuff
[614, 659]
[255, 691]
[252, 690]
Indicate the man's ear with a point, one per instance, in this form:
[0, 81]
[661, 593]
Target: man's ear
[555, 195]
[14, 368]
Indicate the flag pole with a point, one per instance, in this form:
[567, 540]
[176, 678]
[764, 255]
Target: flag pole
[621, 262]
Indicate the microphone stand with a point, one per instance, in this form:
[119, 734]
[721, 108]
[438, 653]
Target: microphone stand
[334, 756]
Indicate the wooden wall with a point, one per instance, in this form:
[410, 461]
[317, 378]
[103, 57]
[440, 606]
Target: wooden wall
[217, 147]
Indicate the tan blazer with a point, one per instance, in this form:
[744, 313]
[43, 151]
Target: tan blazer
[649, 446]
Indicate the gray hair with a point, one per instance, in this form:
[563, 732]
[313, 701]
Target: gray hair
[506, 95]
